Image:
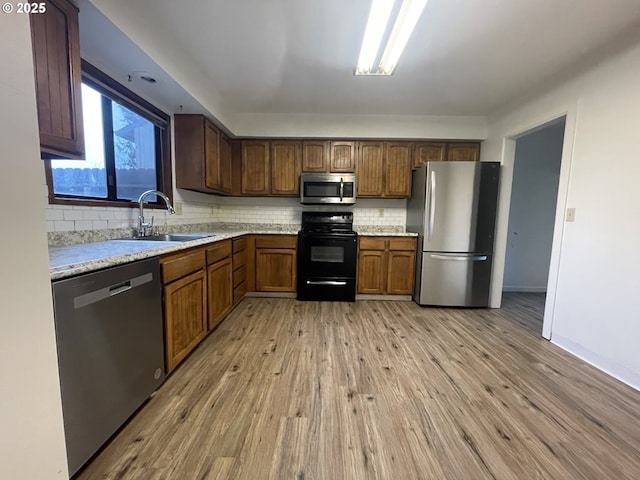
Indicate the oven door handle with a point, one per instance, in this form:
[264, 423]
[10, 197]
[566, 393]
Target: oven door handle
[331, 283]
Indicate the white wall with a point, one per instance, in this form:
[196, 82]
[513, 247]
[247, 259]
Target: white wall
[533, 208]
[595, 261]
[31, 432]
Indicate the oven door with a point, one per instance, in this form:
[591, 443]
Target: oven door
[327, 255]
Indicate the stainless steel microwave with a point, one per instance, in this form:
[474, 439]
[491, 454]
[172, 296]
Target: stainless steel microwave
[323, 188]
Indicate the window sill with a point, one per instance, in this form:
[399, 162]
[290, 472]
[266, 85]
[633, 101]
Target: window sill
[85, 202]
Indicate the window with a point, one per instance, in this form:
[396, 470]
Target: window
[126, 144]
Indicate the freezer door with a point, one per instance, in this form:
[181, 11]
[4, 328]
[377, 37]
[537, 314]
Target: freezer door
[460, 205]
[454, 280]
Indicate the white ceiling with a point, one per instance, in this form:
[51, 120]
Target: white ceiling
[466, 57]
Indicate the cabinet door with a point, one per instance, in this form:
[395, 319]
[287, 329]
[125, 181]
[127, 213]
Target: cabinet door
[428, 152]
[371, 271]
[370, 169]
[212, 156]
[275, 270]
[457, 152]
[256, 168]
[226, 179]
[401, 272]
[220, 287]
[285, 168]
[185, 310]
[315, 156]
[397, 170]
[342, 157]
[56, 60]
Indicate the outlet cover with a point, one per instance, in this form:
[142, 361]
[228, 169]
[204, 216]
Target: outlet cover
[571, 215]
[178, 208]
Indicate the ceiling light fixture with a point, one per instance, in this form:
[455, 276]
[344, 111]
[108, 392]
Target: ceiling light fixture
[404, 23]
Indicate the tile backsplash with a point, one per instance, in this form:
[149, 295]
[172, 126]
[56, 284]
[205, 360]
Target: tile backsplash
[78, 224]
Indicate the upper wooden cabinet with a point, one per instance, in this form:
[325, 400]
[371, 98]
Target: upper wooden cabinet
[342, 158]
[256, 168]
[467, 151]
[384, 169]
[58, 78]
[315, 156]
[212, 156]
[424, 152]
[285, 167]
[199, 156]
[226, 175]
[397, 169]
[370, 181]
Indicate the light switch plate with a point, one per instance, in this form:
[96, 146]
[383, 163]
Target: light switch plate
[571, 215]
[178, 208]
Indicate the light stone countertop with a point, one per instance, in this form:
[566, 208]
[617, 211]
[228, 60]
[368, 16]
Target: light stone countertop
[69, 261]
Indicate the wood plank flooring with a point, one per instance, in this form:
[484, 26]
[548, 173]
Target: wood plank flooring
[379, 390]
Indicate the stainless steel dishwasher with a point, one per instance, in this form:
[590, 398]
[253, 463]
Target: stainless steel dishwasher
[110, 351]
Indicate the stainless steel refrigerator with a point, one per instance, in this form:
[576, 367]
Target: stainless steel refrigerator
[453, 211]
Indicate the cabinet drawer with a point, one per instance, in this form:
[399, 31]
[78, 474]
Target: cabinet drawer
[372, 243]
[239, 275]
[239, 244]
[239, 292]
[180, 264]
[239, 259]
[218, 251]
[276, 241]
[402, 243]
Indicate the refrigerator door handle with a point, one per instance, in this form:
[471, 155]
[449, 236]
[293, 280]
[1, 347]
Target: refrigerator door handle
[432, 201]
[458, 257]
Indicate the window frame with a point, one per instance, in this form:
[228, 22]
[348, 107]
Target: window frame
[117, 92]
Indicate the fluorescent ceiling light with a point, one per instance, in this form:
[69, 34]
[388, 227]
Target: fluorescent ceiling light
[404, 23]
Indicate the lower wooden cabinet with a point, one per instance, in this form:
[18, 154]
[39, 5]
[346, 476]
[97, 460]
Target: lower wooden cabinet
[386, 265]
[372, 268]
[220, 288]
[185, 310]
[275, 263]
[240, 268]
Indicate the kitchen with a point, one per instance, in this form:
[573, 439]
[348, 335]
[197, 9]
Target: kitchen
[595, 324]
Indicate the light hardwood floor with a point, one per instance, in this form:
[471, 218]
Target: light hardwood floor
[379, 390]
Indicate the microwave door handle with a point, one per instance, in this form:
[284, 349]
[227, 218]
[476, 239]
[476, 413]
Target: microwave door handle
[341, 189]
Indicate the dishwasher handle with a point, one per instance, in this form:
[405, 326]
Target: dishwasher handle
[110, 291]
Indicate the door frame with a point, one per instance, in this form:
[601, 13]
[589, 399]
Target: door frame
[506, 183]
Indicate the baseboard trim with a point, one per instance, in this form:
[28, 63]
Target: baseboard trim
[402, 298]
[270, 294]
[515, 288]
[609, 367]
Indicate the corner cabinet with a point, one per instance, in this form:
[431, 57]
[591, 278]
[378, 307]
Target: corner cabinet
[203, 155]
[386, 265]
[56, 59]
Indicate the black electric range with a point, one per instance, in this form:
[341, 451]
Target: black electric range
[327, 256]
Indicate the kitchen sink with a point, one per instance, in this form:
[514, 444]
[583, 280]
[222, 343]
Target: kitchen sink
[172, 237]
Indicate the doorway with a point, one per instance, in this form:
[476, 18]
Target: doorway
[532, 213]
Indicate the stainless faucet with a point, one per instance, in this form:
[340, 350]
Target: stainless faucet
[142, 225]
